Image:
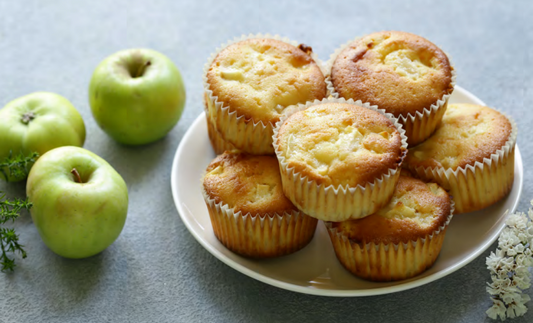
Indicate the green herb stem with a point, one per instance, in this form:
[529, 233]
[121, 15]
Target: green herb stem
[9, 240]
[17, 167]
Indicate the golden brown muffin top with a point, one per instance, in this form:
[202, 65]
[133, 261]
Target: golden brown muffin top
[415, 211]
[467, 133]
[340, 144]
[397, 71]
[258, 78]
[247, 183]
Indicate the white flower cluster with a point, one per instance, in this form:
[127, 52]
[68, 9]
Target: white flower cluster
[509, 267]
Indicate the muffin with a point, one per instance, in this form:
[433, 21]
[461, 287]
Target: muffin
[404, 74]
[215, 138]
[471, 155]
[339, 159]
[249, 83]
[399, 241]
[248, 211]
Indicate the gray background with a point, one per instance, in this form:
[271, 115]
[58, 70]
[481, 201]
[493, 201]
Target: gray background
[156, 271]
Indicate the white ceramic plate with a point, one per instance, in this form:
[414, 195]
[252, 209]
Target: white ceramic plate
[315, 269]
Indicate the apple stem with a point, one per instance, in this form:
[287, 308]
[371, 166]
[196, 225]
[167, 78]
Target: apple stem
[27, 117]
[77, 177]
[142, 69]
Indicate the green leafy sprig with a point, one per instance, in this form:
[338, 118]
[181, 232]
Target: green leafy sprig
[17, 167]
[9, 240]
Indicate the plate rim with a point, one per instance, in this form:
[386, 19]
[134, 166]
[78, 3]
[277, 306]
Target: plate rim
[329, 292]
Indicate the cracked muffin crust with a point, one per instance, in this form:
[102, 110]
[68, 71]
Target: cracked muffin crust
[249, 213]
[399, 241]
[468, 133]
[471, 154]
[338, 159]
[340, 144]
[403, 73]
[249, 84]
[397, 71]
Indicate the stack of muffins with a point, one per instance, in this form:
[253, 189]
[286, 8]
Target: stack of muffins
[301, 141]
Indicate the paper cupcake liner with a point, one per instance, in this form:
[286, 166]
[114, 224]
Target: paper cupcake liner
[387, 262]
[477, 186]
[258, 236]
[217, 142]
[418, 126]
[337, 203]
[244, 133]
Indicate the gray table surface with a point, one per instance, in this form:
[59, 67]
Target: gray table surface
[156, 271]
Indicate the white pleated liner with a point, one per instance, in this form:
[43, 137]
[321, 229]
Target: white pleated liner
[337, 203]
[247, 135]
[387, 262]
[477, 186]
[217, 141]
[418, 126]
[257, 236]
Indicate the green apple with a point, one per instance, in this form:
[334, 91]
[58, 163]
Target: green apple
[38, 122]
[79, 201]
[137, 96]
